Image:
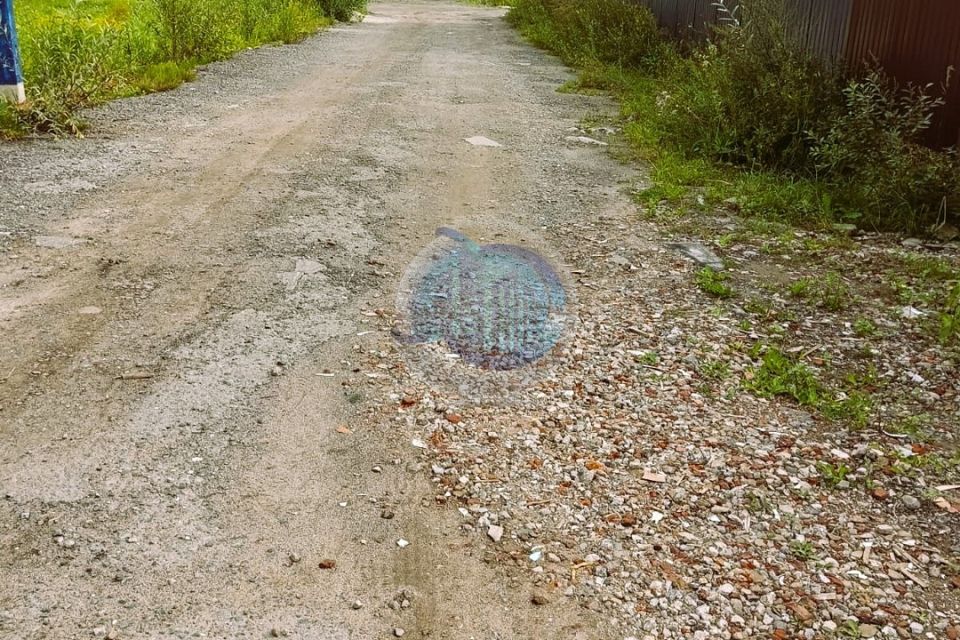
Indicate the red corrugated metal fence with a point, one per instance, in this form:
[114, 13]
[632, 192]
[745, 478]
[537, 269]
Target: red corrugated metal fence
[916, 41]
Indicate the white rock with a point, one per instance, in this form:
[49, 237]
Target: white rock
[585, 140]
[481, 141]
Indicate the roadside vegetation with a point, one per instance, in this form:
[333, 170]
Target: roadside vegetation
[750, 121]
[78, 54]
[792, 170]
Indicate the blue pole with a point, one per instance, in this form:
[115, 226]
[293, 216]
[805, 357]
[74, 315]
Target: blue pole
[11, 71]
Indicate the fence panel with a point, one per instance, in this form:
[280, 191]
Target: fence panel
[916, 41]
[824, 26]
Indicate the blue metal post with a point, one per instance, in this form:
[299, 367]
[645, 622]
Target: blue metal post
[11, 71]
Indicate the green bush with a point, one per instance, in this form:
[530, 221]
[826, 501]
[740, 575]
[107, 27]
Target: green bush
[874, 149]
[193, 29]
[618, 32]
[752, 95]
[342, 10]
[754, 98]
[535, 22]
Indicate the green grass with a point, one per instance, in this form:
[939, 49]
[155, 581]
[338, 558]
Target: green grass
[164, 76]
[864, 328]
[682, 180]
[829, 292]
[33, 13]
[78, 53]
[833, 474]
[803, 551]
[915, 427]
[950, 317]
[714, 283]
[650, 358]
[715, 370]
[801, 288]
[736, 127]
[781, 376]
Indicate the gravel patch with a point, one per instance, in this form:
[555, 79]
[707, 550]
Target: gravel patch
[629, 476]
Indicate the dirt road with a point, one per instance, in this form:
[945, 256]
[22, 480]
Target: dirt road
[215, 420]
[186, 306]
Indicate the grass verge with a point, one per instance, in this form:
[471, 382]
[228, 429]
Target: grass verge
[76, 55]
[751, 123]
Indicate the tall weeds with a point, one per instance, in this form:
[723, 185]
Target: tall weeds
[616, 32]
[752, 97]
[74, 59]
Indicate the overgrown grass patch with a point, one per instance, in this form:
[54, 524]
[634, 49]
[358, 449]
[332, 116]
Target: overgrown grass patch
[752, 123]
[780, 375]
[78, 54]
[164, 76]
[715, 283]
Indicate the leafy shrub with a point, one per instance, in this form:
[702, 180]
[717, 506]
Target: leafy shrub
[342, 10]
[751, 95]
[874, 148]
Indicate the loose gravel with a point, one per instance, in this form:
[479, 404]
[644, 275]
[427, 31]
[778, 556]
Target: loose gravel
[627, 475]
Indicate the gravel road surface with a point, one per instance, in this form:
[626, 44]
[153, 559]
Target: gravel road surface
[218, 419]
[181, 295]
